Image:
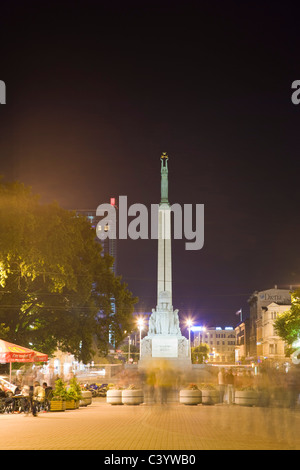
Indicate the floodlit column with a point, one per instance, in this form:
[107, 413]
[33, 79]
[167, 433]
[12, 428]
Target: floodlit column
[164, 269]
[164, 272]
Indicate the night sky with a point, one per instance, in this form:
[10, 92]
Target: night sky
[96, 91]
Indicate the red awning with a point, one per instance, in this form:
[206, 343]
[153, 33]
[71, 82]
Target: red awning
[10, 352]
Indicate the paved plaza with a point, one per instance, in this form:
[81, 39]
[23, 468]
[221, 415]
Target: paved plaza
[153, 427]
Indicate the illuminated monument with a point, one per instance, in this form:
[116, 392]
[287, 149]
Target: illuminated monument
[164, 339]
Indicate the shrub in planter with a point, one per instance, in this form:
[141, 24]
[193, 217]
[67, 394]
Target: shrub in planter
[114, 395]
[132, 396]
[210, 394]
[246, 396]
[86, 398]
[57, 405]
[74, 395]
[192, 387]
[59, 396]
[190, 395]
[72, 404]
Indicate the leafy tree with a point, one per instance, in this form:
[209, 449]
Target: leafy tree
[56, 288]
[199, 353]
[133, 349]
[287, 325]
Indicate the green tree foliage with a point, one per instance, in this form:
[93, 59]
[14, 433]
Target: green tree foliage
[287, 325]
[199, 353]
[56, 288]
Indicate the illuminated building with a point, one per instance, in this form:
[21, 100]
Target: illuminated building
[221, 342]
[257, 302]
[269, 345]
[109, 244]
[242, 348]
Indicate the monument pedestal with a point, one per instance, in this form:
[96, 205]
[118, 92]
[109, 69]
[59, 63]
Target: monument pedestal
[170, 348]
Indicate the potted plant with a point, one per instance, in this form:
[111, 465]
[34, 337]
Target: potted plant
[246, 396]
[74, 395]
[86, 397]
[190, 395]
[210, 394]
[59, 396]
[114, 394]
[132, 396]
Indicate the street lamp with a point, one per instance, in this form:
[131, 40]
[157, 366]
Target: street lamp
[189, 324]
[140, 323]
[128, 349]
[128, 346]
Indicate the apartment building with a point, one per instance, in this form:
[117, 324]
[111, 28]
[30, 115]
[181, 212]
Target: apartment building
[221, 342]
[269, 345]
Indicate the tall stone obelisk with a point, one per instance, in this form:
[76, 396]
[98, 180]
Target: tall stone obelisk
[164, 339]
[164, 264]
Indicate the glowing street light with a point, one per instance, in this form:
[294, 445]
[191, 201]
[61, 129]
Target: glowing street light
[125, 332]
[140, 323]
[189, 325]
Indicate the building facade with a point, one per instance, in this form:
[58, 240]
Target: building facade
[257, 301]
[109, 244]
[269, 344]
[221, 342]
[242, 348]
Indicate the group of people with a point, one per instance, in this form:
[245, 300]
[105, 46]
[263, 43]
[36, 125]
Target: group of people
[160, 383]
[26, 399]
[273, 385]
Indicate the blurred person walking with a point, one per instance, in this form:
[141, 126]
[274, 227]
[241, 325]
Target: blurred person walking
[38, 397]
[229, 382]
[221, 383]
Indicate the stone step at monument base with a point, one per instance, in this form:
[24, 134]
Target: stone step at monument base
[182, 365]
[167, 362]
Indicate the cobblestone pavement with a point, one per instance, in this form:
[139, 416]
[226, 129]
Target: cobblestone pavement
[173, 427]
